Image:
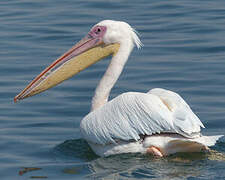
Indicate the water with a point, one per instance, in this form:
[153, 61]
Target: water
[184, 51]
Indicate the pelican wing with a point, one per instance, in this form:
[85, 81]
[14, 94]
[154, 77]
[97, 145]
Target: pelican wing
[184, 120]
[132, 114]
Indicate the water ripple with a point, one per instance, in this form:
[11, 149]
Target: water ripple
[183, 51]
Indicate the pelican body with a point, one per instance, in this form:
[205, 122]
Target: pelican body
[158, 122]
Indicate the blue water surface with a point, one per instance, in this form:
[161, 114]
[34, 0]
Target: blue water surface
[184, 51]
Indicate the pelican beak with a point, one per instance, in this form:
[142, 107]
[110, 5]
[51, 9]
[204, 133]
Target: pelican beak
[82, 55]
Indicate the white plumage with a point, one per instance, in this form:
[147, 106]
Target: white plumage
[116, 126]
[132, 114]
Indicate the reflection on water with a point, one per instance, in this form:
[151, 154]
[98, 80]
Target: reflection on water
[141, 166]
[124, 166]
[181, 165]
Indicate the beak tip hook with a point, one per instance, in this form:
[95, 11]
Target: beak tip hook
[15, 99]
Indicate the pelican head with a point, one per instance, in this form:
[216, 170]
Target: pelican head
[104, 39]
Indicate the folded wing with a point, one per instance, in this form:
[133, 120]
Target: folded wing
[132, 114]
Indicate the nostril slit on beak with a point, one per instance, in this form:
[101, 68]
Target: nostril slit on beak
[89, 35]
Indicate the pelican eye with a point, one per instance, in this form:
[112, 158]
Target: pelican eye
[98, 30]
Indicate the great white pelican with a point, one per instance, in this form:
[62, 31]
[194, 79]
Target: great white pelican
[158, 122]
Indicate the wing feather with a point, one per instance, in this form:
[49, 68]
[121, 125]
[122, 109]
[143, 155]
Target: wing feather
[131, 114]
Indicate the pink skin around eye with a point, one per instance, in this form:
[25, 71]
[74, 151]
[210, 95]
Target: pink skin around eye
[98, 31]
